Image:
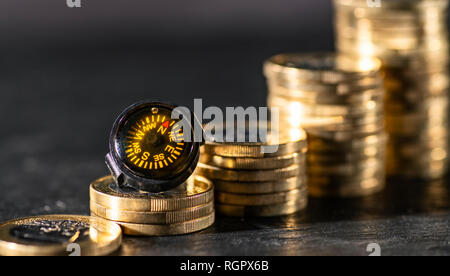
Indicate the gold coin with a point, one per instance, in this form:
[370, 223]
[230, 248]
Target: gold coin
[280, 185]
[316, 175]
[420, 105]
[274, 210]
[435, 154]
[411, 130]
[152, 217]
[388, 33]
[268, 163]
[330, 181]
[346, 135]
[195, 192]
[321, 67]
[181, 228]
[280, 144]
[417, 143]
[55, 235]
[215, 173]
[302, 89]
[258, 200]
[360, 123]
[393, 53]
[317, 144]
[345, 157]
[419, 169]
[423, 133]
[319, 97]
[348, 27]
[364, 187]
[397, 79]
[348, 130]
[338, 88]
[346, 168]
[393, 6]
[307, 110]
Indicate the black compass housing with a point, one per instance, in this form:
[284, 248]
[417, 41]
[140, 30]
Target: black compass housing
[148, 149]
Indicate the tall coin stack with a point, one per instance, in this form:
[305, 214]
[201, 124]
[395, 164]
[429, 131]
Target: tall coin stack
[186, 209]
[339, 101]
[410, 38]
[255, 182]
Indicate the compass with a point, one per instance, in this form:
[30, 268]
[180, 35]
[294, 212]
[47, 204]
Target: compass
[152, 148]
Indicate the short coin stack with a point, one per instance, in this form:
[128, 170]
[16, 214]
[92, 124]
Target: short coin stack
[186, 209]
[410, 38]
[339, 101]
[252, 181]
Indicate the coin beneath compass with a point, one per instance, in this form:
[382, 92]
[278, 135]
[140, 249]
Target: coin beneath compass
[59, 235]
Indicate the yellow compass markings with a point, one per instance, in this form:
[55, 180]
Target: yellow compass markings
[141, 164]
[177, 152]
[132, 159]
[158, 118]
[156, 165]
[130, 155]
[140, 135]
[129, 150]
[170, 160]
[145, 165]
[151, 165]
[173, 122]
[148, 120]
[161, 164]
[163, 119]
[174, 157]
[165, 162]
[178, 148]
[153, 118]
[180, 144]
[162, 130]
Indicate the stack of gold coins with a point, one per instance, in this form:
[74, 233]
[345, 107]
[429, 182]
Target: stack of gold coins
[410, 38]
[261, 179]
[186, 209]
[338, 99]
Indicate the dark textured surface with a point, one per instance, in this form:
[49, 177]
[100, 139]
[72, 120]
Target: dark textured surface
[60, 94]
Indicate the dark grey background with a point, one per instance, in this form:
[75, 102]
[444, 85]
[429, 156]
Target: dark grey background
[65, 74]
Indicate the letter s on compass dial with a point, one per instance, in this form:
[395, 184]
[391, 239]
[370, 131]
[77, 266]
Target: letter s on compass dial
[149, 150]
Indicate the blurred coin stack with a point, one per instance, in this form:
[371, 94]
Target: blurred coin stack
[186, 209]
[410, 38]
[261, 179]
[338, 99]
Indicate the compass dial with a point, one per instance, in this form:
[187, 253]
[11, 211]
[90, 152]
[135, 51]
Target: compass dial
[154, 142]
[150, 144]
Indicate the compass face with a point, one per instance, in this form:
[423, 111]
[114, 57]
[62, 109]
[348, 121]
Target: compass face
[151, 144]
